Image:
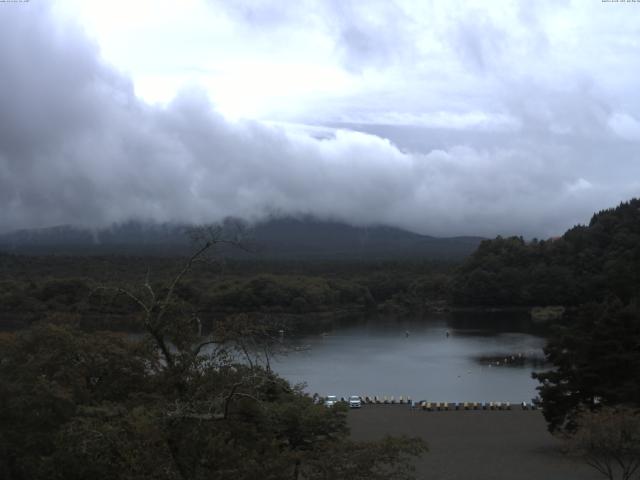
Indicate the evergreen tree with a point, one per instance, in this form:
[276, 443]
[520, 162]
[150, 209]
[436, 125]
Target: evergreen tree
[596, 360]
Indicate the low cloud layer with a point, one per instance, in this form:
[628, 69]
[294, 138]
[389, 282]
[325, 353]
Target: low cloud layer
[78, 147]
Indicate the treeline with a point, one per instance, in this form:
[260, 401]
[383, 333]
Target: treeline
[595, 270]
[588, 263]
[85, 289]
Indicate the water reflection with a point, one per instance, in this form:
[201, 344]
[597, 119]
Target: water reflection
[416, 357]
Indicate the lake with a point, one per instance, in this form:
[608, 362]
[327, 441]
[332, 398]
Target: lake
[441, 357]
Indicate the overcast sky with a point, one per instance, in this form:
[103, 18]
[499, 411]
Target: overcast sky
[445, 118]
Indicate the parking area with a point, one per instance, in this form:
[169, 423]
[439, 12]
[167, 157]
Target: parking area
[474, 444]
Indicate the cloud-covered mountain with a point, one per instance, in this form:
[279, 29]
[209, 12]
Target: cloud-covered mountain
[276, 238]
[495, 144]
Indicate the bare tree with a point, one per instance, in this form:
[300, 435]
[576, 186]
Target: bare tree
[609, 441]
[177, 331]
[258, 340]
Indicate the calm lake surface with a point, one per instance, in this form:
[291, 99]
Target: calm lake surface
[415, 357]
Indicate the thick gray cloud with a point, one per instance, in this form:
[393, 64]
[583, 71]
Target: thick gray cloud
[494, 151]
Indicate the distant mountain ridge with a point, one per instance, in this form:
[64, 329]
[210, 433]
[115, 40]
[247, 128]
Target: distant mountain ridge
[285, 237]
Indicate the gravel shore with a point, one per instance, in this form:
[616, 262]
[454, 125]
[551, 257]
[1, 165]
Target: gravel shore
[474, 445]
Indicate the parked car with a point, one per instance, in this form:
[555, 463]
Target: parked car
[355, 401]
[330, 400]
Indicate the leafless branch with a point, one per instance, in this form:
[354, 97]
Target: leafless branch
[147, 285]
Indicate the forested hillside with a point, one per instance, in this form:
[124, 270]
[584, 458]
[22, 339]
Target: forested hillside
[587, 263]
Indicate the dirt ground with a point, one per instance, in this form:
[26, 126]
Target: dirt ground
[474, 445]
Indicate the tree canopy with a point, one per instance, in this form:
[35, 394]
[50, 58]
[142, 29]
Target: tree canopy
[596, 359]
[587, 263]
[177, 403]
